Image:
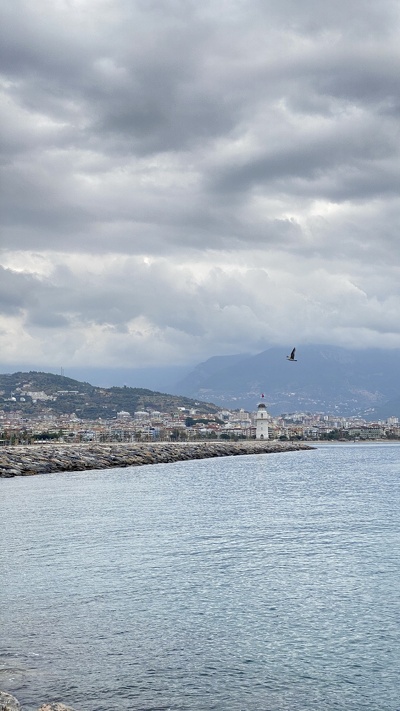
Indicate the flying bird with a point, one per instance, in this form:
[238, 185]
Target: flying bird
[291, 357]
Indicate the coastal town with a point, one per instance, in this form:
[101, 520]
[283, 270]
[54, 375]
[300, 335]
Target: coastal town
[187, 424]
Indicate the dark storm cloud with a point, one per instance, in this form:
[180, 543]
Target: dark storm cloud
[138, 83]
[338, 167]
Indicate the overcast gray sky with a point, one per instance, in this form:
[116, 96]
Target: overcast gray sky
[182, 179]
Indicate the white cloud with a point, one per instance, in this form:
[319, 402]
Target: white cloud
[181, 180]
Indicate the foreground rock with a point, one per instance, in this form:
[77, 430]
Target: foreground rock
[10, 703]
[24, 460]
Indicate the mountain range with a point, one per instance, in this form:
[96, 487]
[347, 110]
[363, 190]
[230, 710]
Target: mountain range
[324, 379]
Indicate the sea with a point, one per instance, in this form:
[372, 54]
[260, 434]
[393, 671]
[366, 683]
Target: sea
[265, 582]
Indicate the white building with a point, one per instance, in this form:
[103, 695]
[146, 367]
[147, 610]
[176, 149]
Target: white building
[262, 421]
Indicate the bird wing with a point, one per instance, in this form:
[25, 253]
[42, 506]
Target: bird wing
[292, 353]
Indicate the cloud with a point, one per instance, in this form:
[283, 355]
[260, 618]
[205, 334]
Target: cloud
[180, 180]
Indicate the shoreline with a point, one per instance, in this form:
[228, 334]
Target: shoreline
[31, 459]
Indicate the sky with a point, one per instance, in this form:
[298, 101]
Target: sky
[184, 179]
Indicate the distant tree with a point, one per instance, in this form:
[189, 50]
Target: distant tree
[46, 435]
[332, 435]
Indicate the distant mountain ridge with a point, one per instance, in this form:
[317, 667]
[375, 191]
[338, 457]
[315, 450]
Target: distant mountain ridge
[326, 379]
[204, 373]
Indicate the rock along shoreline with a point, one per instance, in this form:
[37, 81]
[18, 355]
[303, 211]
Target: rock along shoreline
[26, 460]
[10, 703]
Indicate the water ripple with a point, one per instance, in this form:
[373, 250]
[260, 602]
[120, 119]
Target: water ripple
[259, 583]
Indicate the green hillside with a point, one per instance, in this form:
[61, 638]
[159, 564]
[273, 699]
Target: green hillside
[36, 392]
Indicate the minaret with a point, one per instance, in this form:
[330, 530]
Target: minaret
[262, 421]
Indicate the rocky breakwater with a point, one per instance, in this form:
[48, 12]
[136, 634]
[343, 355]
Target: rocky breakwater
[24, 460]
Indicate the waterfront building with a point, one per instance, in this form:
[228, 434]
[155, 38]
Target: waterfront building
[262, 421]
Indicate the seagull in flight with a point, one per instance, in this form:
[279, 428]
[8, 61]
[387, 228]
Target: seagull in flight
[291, 357]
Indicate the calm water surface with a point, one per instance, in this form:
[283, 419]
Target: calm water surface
[252, 583]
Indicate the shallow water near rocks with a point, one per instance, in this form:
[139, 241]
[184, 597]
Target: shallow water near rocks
[260, 583]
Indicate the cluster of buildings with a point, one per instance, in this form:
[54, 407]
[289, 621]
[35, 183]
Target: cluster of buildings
[193, 424]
